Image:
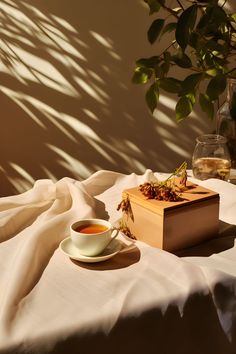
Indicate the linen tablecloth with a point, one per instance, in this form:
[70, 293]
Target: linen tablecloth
[142, 300]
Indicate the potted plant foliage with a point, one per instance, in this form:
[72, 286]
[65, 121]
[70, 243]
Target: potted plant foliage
[201, 42]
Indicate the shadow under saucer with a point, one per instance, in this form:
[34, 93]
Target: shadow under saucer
[127, 256]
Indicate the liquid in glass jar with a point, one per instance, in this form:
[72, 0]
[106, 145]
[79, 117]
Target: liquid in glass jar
[211, 158]
[211, 167]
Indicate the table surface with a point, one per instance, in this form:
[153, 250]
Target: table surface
[142, 299]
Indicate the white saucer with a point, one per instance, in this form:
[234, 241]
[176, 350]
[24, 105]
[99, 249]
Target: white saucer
[68, 248]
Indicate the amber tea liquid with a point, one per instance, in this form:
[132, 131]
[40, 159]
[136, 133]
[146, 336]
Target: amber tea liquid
[91, 229]
[211, 167]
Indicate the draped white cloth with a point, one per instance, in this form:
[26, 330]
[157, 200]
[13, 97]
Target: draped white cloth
[142, 300]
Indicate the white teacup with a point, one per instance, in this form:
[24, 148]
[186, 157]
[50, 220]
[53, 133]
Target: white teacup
[92, 236]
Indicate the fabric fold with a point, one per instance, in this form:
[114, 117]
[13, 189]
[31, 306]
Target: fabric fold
[49, 302]
[41, 218]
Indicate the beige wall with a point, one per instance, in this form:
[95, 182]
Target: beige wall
[68, 107]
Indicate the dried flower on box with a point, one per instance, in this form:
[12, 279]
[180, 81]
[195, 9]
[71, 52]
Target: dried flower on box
[166, 190]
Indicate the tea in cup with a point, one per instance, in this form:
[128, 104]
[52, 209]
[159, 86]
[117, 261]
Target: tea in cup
[92, 236]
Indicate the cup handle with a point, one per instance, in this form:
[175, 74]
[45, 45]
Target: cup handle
[116, 232]
[113, 237]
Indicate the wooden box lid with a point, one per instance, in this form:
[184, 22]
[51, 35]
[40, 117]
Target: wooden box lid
[191, 195]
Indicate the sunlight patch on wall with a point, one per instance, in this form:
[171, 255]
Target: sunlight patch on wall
[132, 161]
[129, 117]
[22, 180]
[100, 150]
[130, 157]
[71, 164]
[49, 173]
[163, 132]
[106, 68]
[82, 129]
[132, 147]
[101, 92]
[66, 60]
[22, 172]
[28, 67]
[47, 61]
[89, 90]
[90, 114]
[115, 55]
[55, 51]
[35, 11]
[17, 17]
[80, 42]
[102, 40]
[18, 98]
[64, 24]
[58, 119]
[59, 40]
[53, 34]
[20, 184]
[177, 149]
[53, 116]
[161, 116]
[50, 34]
[96, 77]
[10, 2]
[196, 129]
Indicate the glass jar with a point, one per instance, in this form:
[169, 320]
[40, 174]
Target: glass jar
[226, 120]
[211, 158]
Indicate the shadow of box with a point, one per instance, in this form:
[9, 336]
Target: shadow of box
[174, 225]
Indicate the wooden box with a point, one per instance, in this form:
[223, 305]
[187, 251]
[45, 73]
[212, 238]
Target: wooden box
[174, 225]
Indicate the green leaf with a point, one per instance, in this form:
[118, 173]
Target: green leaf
[190, 82]
[183, 108]
[193, 39]
[182, 60]
[213, 72]
[213, 45]
[206, 105]
[154, 6]
[191, 97]
[212, 21]
[233, 17]
[219, 14]
[155, 30]
[221, 64]
[185, 26]
[152, 96]
[216, 86]
[170, 84]
[204, 19]
[148, 62]
[159, 71]
[169, 27]
[165, 66]
[141, 75]
[208, 59]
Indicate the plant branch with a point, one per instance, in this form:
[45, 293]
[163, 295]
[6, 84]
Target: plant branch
[169, 46]
[170, 11]
[223, 4]
[178, 1]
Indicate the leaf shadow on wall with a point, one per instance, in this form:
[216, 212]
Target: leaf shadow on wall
[67, 101]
